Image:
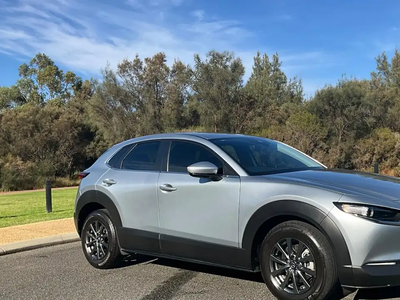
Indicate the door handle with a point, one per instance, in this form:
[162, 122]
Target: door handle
[167, 188]
[109, 181]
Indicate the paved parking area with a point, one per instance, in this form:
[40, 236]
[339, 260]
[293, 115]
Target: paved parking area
[61, 272]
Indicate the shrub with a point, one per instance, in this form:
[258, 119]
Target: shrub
[16, 174]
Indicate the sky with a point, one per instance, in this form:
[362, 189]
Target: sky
[318, 41]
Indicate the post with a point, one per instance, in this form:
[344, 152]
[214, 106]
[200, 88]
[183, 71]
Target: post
[376, 168]
[48, 196]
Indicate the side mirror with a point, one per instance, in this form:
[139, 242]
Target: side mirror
[204, 169]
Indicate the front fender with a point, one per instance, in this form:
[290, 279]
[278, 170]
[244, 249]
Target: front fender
[287, 209]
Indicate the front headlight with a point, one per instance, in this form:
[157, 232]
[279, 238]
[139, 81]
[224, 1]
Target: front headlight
[370, 212]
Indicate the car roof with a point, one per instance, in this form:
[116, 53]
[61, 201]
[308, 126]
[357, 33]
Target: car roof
[210, 136]
[203, 135]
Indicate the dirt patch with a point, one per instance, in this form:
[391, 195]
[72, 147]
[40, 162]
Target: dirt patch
[36, 230]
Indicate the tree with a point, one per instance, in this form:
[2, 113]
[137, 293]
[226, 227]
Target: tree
[305, 132]
[269, 89]
[49, 136]
[111, 110]
[53, 123]
[217, 82]
[11, 97]
[146, 83]
[383, 147]
[177, 95]
[42, 80]
[344, 109]
[385, 91]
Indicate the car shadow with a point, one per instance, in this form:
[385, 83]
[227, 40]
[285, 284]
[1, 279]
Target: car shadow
[381, 293]
[135, 259]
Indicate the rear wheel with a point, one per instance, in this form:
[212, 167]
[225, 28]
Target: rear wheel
[297, 262]
[99, 240]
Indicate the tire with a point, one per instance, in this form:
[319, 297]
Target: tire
[315, 255]
[104, 253]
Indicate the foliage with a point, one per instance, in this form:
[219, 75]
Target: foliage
[217, 82]
[383, 147]
[54, 124]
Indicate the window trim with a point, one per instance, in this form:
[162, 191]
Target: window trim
[158, 162]
[226, 167]
[132, 145]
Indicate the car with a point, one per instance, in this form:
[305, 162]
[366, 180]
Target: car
[242, 202]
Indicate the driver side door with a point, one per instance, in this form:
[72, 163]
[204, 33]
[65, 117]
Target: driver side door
[198, 216]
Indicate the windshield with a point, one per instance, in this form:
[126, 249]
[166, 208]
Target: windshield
[260, 156]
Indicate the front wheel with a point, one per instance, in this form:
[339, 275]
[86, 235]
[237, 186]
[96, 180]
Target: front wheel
[99, 240]
[297, 262]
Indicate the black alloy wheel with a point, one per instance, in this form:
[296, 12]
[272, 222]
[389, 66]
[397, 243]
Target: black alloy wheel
[99, 240]
[297, 262]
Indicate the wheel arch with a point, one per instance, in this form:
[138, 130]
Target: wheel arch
[271, 214]
[92, 200]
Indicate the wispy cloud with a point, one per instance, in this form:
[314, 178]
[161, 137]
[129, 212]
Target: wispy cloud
[177, 2]
[198, 14]
[85, 36]
[154, 3]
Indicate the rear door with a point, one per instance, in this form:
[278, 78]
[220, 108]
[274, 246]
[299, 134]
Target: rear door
[132, 185]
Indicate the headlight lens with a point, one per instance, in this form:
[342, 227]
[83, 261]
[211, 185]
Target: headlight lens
[370, 212]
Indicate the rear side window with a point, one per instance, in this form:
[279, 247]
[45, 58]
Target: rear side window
[143, 157]
[116, 160]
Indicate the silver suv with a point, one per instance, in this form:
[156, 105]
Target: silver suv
[242, 202]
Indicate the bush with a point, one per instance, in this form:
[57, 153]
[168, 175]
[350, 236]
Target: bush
[64, 182]
[17, 175]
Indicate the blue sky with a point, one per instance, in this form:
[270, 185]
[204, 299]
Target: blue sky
[318, 41]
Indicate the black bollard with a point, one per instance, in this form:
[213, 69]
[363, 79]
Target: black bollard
[48, 196]
[376, 168]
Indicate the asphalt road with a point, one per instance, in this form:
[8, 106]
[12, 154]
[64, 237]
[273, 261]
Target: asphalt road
[61, 272]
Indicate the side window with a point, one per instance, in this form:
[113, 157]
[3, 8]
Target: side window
[143, 157]
[183, 154]
[115, 161]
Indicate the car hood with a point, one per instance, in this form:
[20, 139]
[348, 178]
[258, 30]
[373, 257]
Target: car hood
[346, 182]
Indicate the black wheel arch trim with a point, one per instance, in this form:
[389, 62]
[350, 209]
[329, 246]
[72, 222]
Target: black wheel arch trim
[94, 197]
[309, 213]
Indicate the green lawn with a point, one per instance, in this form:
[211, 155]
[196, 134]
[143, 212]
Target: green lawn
[24, 208]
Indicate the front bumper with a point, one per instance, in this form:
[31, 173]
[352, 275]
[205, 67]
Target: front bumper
[375, 276]
[374, 250]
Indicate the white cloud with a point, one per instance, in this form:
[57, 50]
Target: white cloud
[198, 14]
[84, 36]
[177, 2]
[154, 3]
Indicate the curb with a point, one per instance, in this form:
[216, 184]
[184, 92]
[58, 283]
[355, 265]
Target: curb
[39, 243]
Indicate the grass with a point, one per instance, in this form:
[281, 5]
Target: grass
[30, 207]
